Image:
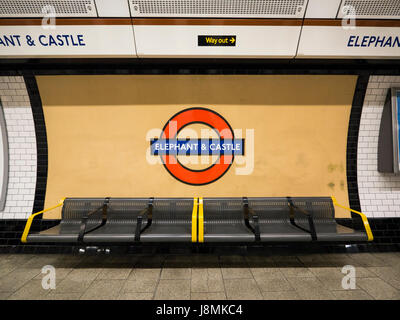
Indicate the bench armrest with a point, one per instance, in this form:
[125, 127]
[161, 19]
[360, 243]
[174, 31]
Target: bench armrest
[148, 212]
[309, 215]
[30, 220]
[362, 215]
[256, 224]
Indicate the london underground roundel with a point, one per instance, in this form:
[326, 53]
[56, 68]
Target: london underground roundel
[169, 147]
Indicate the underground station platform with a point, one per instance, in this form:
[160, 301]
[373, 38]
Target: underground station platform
[200, 150]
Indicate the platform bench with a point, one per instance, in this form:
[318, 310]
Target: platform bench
[198, 220]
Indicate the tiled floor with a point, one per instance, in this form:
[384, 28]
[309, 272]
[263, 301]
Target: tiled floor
[206, 276]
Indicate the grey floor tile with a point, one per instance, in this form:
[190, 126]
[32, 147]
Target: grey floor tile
[316, 294]
[273, 284]
[114, 274]
[17, 259]
[17, 278]
[39, 261]
[205, 277]
[173, 290]
[5, 269]
[390, 258]
[145, 273]
[135, 296]
[352, 295]
[362, 272]
[333, 283]
[83, 274]
[32, 290]
[61, 273]
[176, 273]
[72, 286]
[378, 289]
[242, 289]
[338, 259]
[139, 285]
[280, 295]
[103, 290]
[313, 260]
[207, 280]
[296, 272]
[336, 272]
[4, 295]
[389, 274]
[367, 260]
[68, 261]
[327, 272]
[63, 296]
[307, 283]
[208, 296]
[236, 273]
[267, 273]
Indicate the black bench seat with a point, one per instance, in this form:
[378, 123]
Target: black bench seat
[122, 217]
[224, 221]
[274, 220]
[208, 220]
[171, 221]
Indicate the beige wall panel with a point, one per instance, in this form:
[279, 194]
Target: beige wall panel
[97, 125]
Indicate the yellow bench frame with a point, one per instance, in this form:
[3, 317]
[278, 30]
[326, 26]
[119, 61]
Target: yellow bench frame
[30, 220]
[362, 215]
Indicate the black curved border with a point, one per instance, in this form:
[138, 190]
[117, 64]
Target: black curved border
[6, 159]
[233, 135]
[352, 141]
[41, 142]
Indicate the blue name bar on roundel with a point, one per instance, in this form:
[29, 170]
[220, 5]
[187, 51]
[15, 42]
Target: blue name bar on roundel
[193, 147]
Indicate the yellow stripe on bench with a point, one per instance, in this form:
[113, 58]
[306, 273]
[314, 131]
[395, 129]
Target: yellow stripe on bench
[201, 220]
[194, 220]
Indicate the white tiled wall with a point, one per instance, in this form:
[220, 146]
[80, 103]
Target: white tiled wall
[379, 192]
[22, 148]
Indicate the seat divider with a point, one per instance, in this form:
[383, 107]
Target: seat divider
[138, 227]
[247, 211]
[82, 230]
[149, 212]
[308, 214]
[256, 228]
[311, 221]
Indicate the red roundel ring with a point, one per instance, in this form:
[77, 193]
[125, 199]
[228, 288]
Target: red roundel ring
[215, 121]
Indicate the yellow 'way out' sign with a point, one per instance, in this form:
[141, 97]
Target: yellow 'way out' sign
[217, 41]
